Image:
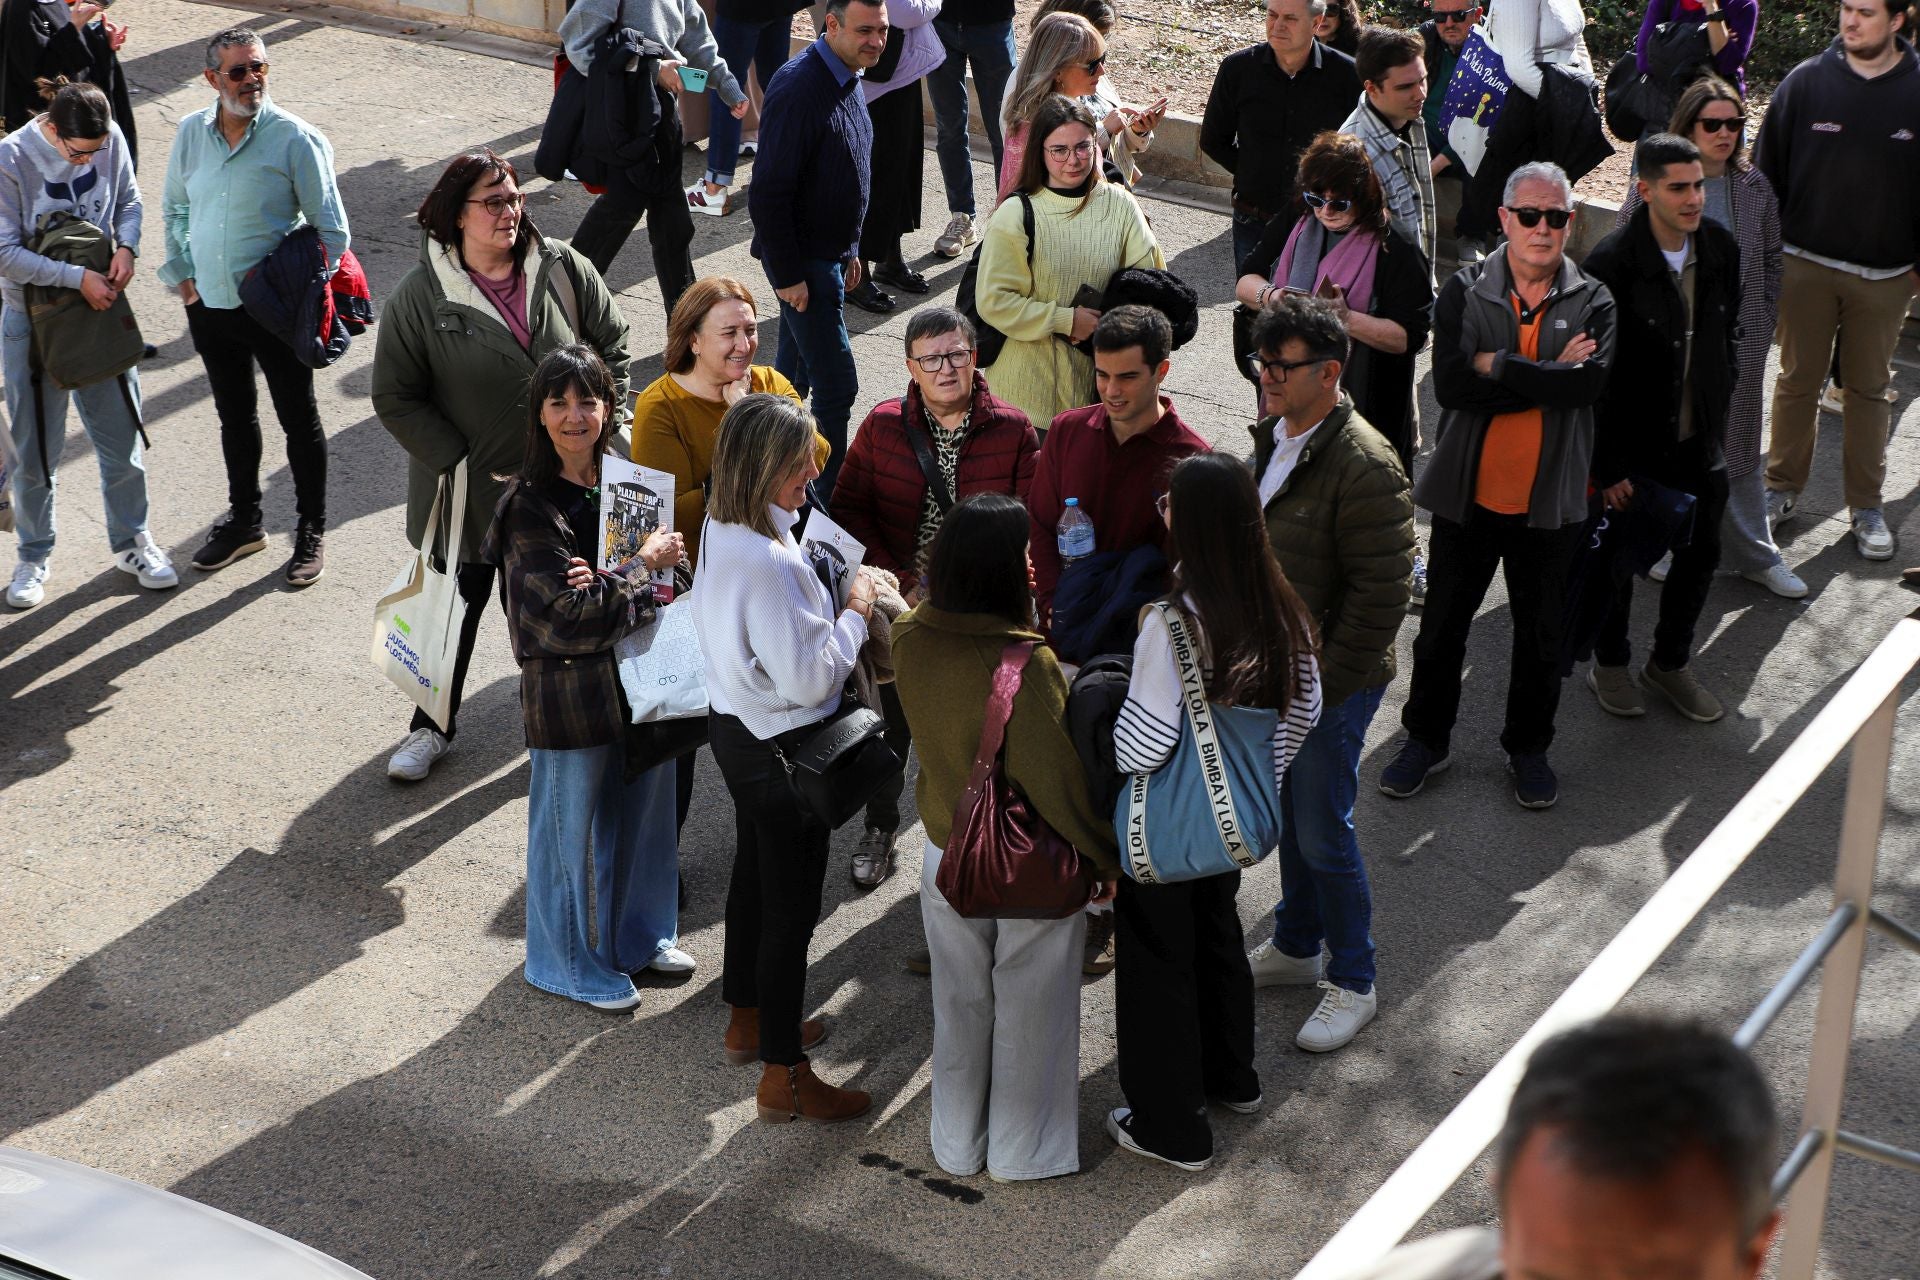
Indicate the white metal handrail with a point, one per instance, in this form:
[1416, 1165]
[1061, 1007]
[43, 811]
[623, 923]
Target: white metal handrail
[1860, 715]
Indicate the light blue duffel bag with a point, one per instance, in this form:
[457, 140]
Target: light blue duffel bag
[1212, 807]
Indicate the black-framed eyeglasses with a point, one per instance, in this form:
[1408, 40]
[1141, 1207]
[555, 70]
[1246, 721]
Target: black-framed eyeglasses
[1325, 202]
[1530, 218]
[1259, 366]
[77, 154]
[1731, 124]
[239, 73]
[951, 359]
[1451, 16]
[497, 205]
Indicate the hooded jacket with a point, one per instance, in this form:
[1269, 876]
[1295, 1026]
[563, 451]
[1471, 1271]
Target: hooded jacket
[450, 381]
[1474, 314]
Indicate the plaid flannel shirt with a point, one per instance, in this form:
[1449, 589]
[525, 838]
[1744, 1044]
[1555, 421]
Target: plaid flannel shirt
[562, 638]
[1404, 166]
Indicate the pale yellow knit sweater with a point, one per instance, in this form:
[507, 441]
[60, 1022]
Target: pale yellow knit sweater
[1038, 372]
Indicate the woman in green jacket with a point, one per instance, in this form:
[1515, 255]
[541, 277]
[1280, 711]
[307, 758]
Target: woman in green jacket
[459, 340]
[1006, 993]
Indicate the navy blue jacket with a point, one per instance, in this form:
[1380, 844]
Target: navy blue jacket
[809, 191]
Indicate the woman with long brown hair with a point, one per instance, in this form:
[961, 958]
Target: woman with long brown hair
[1184, 1003]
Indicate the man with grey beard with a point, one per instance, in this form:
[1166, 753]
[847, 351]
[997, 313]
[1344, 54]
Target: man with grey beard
[243, 174]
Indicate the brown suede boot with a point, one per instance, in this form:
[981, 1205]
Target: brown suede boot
[794, 1093]
[743, 1035]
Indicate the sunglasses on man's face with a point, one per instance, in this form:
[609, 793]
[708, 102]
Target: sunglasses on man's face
[1732, 124]
[1325, 202]
[239, 73]
[1530, 218]
[1452, 16]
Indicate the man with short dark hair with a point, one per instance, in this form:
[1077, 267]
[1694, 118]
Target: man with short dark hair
[808, 200]
[1841, 146]
[1675, 279]
[1388, 121]
[1634, 1147]
[243, 174]
[1522, 343]
[1268, 102]
[1340, 517]
[916, 455]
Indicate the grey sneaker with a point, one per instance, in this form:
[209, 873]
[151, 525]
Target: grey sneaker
[959, 236]
[1614, 687]
[1781, 504]
[1871, 535]
[1684, 692]
[873, 858]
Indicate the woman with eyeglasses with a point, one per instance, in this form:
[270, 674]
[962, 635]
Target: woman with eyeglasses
[1347, 251]
[1711, 115]
[1065, 56]
[1085, 229]
[458, 344]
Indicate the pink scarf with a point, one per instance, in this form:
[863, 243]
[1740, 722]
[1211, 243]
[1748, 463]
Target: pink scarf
[1350, 265]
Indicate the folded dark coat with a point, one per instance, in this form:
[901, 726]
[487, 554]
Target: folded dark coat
[1097, 605]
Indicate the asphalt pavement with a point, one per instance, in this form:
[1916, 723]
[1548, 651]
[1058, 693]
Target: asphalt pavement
[236, 961]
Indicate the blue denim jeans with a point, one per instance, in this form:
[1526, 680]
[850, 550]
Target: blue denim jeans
[989, 46]
[1323, 881]
[817, 357]
[588, 829]
[744, 46]
[110, 424]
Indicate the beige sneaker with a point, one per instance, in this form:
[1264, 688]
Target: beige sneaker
[1614, 687]
[1687, 695]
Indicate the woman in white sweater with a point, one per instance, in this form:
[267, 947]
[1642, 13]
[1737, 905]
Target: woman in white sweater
[1183, 1007]
[778, 653]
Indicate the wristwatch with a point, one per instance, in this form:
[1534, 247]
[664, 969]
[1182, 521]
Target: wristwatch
[1717, 15]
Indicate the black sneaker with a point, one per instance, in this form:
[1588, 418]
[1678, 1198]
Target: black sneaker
[309, 555]
[1534, 784]
[229, 539]
[1120, 1129]
[1412, 765]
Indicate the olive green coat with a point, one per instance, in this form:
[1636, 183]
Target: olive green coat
[1342, 529]
[450, 381]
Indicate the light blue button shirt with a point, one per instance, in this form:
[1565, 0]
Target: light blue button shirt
[225, 208]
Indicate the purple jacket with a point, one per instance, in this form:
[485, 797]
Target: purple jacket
[922, 51]
[1743, 16]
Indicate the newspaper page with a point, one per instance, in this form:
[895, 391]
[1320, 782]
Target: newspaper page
[835, 554]
[634, 501]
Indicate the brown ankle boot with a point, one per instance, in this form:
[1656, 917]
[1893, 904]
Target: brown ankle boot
[795, 1093]
[743, 1036]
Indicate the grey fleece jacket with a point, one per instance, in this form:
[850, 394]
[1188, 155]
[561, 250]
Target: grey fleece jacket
[681, 25]
[1474, 313]
[37, 179]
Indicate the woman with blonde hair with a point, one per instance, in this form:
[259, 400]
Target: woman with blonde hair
[1084, 230]
[1065, 56]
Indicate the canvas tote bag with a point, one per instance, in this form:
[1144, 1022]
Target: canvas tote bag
[416, 625]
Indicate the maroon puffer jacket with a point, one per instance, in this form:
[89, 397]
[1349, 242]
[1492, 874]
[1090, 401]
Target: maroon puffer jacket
[881, 489]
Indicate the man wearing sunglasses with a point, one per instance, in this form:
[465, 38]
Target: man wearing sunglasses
[1443, 35]
[243, 174]
[916, 455]
[1522, 342]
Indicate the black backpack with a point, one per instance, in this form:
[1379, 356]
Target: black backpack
[990, 340]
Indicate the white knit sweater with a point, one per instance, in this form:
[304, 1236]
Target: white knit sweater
[777, 652]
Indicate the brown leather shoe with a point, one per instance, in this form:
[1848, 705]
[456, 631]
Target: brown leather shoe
[794, 1093]
[743, 1036]
[1098, 962]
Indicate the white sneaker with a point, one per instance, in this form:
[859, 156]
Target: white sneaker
[749, 146]
[1338, 1019]
[1832, 398]
[713, 204]
[29, 586]
[1778, 579]
[673, 960]
[1781, 504]
[1273, 967]
[959, 236]
[147, 562]
[620, 1005]
[1871, 535]
[418, 754]
[1659, 572]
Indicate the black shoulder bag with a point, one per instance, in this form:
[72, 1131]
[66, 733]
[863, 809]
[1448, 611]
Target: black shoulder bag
[990, 340]
[923, 454]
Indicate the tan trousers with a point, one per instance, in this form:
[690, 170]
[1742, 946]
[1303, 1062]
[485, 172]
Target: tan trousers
[1819, 305]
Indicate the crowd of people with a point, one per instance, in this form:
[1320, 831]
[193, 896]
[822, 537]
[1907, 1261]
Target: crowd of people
[1028, 488]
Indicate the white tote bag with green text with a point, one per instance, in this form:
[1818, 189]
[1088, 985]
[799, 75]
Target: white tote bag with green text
[416, 625]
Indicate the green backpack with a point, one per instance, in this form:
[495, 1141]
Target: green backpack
[76, 345]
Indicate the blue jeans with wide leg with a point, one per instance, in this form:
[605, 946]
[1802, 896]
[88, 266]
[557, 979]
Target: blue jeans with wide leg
[989, 47]
[817, 357]
[1323, 881]
[590, 832]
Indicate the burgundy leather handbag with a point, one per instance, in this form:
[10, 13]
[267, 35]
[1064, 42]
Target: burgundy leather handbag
[1002, 860]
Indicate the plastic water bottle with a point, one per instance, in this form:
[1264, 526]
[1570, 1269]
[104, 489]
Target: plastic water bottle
[1075, 533]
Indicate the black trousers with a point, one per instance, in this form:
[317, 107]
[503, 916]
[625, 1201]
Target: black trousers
[1684, 594]
[604, 230]
[899, 161]
[773, 901]
[883, 810]
[476, 586]
[1183, 1009]
[1461, 560]
[231, 343]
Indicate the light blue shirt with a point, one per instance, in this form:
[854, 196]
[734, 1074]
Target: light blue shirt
[226, 209]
